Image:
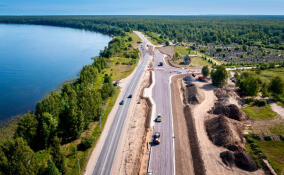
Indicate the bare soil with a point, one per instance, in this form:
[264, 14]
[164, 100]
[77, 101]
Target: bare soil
[168, 50]
[183, 157]
[210, 152]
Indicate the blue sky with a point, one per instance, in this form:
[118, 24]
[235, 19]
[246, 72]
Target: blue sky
[141, 7]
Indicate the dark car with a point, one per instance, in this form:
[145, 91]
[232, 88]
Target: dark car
[121, 102]
[160, 64]
[159, 118]
[156, 138]
[129, 96]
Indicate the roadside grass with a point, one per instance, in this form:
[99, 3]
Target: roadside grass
[154, 38]
[120, 67]
[8, 130]
[135, 38]
[260, 113]
[273, 151]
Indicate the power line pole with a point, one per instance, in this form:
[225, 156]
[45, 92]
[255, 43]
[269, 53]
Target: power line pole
[79, 166]
[100, 124]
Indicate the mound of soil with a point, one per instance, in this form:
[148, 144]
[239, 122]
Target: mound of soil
[232, 111]
[241, 159]
[244, 161]
[222, 133]
[192, 94]
[228, 158]
[221, 93]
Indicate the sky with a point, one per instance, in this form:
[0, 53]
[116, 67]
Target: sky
[141, 7]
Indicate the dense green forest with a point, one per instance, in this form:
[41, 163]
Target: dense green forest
[62, 116]
[266, 31]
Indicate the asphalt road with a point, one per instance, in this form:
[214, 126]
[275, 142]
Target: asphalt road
[108, 152]
[163, 156]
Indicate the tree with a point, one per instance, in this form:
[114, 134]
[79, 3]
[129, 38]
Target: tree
[16, 157]
[27, 128]
[219, 76]
[51, 169]
[249, 84]
[205, 71]
[276, 85]
[167, 43]
[47, 128]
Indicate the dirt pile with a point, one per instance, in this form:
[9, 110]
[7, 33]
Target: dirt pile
[240, 159]
[228, 158]
[192, 95]
[232, 111]
[222, 133]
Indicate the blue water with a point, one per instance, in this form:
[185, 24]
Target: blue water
[36, 59]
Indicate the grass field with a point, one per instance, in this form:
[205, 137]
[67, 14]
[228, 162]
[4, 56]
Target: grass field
[260, 113]
[195, 61]
[277, 128]
[272, 150]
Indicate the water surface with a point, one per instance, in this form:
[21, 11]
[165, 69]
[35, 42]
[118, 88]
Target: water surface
[36, 59]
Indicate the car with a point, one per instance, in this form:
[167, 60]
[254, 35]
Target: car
[160, 64]
[121, 102]
[156, 138]
[159, 118]
[129, 96]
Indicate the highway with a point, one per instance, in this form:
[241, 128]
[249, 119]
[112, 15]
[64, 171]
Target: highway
[105, 160]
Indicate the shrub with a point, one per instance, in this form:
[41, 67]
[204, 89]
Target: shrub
[276, 85]
[86, 143]
[205, 71]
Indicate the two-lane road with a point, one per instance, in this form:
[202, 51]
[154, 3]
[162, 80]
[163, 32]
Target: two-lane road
[105, 160]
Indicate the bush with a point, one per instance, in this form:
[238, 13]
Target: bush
[86, 143]
[205, 71]
[259, 103]
[276, 85]
[219, 76]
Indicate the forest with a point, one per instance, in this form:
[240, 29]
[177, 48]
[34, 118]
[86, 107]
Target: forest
[263, 31]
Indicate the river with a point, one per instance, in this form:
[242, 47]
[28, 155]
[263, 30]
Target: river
[35, 60]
